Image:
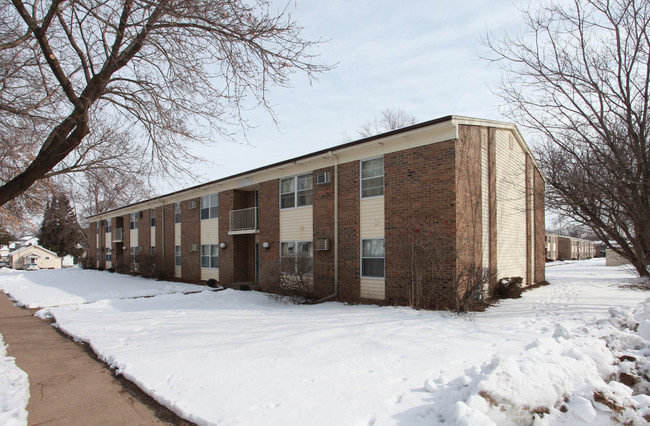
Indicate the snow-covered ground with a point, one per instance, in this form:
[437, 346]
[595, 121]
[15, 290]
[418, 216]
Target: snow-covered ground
[14, 390]
[237, 358]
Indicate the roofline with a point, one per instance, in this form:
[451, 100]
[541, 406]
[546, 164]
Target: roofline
[454, 119]
[32, 246]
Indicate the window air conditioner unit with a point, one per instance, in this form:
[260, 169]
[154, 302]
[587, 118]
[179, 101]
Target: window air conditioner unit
[322, 177]
[191, 205]
[322, 244]
[193, 247]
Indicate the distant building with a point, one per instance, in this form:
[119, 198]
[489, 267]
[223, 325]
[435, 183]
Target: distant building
[35, 255]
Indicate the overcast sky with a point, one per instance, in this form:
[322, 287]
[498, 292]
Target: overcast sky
[420, 56]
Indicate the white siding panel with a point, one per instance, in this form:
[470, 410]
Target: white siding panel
[109, 264]
[133, 237]
[210, 231]
[373, 288]
[153, 236]
[207, 273]
[297, 224]
[108, 238]
[511, 206]
[485, 200]
[177, 272]
[177, 234]
[371, 217]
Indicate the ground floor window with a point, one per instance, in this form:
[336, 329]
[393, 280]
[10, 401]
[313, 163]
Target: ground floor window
[109, 254]
[177, 255]
[296, 257]
[372, 258]
[210, 256]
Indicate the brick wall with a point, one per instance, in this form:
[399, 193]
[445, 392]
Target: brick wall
[169, 230]
[91, 237]
[419, 211]
[226, 271]
[126, 231]
[269, 225]
[144, 232]
[324, 228]
[349, 243]
[191, 229]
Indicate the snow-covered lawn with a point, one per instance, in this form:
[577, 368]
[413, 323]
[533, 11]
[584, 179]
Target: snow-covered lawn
[14, 390]
[238, 358]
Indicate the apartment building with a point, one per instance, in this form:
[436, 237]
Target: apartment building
[384, 219]
[570, 248]
[551, 246]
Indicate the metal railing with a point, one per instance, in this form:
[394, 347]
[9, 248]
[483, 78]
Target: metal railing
[243, 220]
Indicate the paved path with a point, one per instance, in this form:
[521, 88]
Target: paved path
[67, 385]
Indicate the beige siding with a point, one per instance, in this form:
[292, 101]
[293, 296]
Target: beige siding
[52, 261]
[133, 237]
[109, 264]
[177, 272]
[207, 273]
[108, 237]
[511, 206]
[153, 237]
[372, 288]
[485, 200]
[371, 218]
[210, 231]
[297, 224]
[371, 225]
[177, 234]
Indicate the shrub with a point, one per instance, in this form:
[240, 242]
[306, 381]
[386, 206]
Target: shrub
[85, 263]
[509, 288]
[212, 283]
[100, 268]
[111, 270]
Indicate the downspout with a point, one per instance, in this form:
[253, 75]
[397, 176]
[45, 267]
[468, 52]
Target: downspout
[336, 230]
[163, 235]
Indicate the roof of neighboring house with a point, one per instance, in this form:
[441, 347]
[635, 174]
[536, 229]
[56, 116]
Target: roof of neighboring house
[32, 247]
[454, 119]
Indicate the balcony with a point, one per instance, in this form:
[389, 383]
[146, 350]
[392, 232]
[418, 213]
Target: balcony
[243, 221]
[118, 236]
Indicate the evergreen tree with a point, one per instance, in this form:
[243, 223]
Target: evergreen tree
[60, 230]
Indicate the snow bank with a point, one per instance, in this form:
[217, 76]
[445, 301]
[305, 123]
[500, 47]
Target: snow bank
[574, 376]
[14, 390]
[43, 288]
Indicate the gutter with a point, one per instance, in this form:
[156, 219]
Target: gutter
[336, 230]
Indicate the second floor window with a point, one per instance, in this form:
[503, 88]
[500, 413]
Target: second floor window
[107, 226]
[177, 213]
[372, 178]
[210, 207]
[177, 255]
[152, 217]
[133, 220]
[296, 191]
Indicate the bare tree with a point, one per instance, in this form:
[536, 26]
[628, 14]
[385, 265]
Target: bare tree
[578, 77]
[165, 71]
[389, 119]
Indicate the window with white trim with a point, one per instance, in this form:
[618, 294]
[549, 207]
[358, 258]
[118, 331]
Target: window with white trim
[107, 226]
[210, 256]
[177, 212]
[152, 217]
[210, 207]
[296, 191]
[296, 257]
[134, 251]
[372, 178]
[152, 250]
[372, 258]
[177, 255]
[133, 220]
[109, 254]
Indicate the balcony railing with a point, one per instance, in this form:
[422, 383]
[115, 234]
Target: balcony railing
[118, 236]
[243, 221]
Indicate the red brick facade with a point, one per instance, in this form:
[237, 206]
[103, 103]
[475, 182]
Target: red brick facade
[433, 225]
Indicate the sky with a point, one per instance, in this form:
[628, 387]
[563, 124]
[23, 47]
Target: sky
[419, 56]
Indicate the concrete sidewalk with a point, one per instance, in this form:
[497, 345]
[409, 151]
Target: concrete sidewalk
[68, 386]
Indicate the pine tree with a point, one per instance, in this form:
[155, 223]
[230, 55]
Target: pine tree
[60, 230]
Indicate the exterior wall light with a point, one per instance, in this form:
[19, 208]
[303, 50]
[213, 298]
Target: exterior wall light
[266, 245]
[222, 245]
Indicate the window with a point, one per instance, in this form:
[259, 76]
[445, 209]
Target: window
[107, 226]
[152, 217]
[133, 251]
[372, 178]
[296, 257]
[372, 258]
[109, 254]
[177, 213]
[152, 250]
[296, 191]
[210, 207]
[210, 256]
[177, 255]
[133, 220]
[47, 257]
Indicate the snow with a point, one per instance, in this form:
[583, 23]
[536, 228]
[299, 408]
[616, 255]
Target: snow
[14, 390]
[555, 356]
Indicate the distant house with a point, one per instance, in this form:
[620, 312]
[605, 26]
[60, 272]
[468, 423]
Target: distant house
[551, 247]
[570, 248]
[43, 258]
